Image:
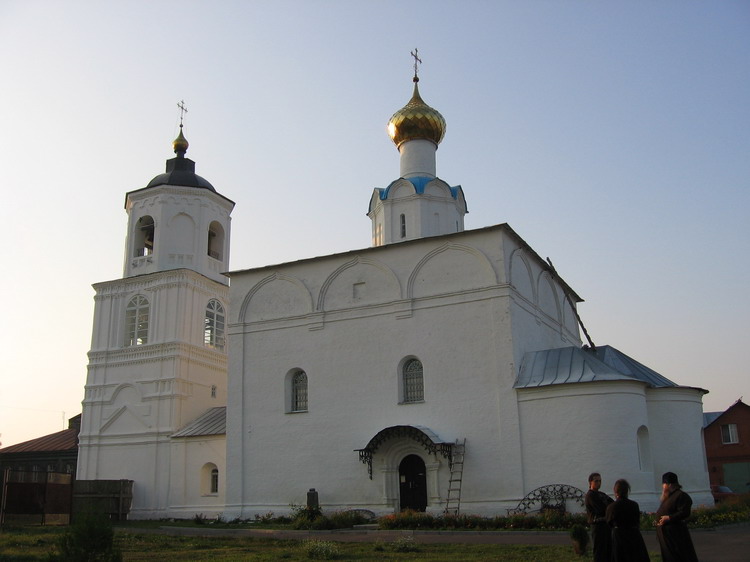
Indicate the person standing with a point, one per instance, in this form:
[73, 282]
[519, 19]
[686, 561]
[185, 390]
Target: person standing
[624, 518]
[671, 522]
[596, 503]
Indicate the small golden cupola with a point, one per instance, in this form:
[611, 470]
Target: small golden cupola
[416, 120]
[418, 204]
[180, 144]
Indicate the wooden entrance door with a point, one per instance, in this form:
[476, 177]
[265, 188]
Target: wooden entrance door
[412, 476]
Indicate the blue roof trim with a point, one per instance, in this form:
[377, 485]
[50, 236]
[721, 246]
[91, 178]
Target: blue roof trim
[419, 183]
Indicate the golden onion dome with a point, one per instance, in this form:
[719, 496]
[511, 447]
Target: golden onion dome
[180, 144]
[416, 120]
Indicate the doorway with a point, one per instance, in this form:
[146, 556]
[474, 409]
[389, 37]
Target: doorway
[413, 483]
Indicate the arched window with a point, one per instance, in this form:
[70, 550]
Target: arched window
[143, 237]
[213, 325]
[299, 392]
[216, 241]
[413, 381]
[136, 321]
[209, 479]
[403, 226]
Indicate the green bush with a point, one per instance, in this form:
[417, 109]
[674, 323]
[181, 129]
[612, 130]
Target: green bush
[346, 519]
[89, 539]
[732, 510]
[320, 522]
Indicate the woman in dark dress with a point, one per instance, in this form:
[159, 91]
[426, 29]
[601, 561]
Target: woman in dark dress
[671, 517]
[624, 517]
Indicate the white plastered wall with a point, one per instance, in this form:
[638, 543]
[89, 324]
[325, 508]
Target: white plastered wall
[677, 444]
[348, 321]
[190, 491]
[136, 397]
[182, 218]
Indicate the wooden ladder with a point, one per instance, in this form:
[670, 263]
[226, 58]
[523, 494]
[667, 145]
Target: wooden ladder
[453, 501]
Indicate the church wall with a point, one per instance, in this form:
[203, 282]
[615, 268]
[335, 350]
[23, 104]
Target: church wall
[432, 213]
[439, 300]
[542, 318]
[676, 416]
[145, 459]
[440, 213]
[190, 491]
[352, 369]
[571, 430]
[137, 396]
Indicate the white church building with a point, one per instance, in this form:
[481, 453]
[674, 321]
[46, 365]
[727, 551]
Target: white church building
[438, 365]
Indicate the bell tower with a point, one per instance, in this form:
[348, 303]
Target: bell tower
[158, 358]
[178, 221]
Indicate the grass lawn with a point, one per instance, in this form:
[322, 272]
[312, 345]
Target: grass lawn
[39, 543]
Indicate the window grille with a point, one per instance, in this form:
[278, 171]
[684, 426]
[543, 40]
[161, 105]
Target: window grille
[299, 392]
[413, 381]
[136, 319]
[215, 481]
[729, 433]
[213, 325]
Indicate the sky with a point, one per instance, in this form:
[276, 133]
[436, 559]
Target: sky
[614, 137]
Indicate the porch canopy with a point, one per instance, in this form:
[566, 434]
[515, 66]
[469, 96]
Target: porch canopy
[422, 435]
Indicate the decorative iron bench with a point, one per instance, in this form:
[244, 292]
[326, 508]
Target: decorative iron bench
[364, 513]
[551, 496]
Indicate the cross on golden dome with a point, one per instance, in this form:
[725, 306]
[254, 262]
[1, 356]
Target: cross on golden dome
[417, 61]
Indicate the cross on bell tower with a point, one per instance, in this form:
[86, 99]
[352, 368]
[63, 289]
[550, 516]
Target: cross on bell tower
[183, 110]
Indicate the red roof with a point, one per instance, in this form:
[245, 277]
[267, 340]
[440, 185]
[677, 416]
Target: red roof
[65, 440]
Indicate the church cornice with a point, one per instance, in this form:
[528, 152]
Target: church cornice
[160, 280]
[143, 194]
[155, 352]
